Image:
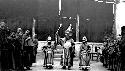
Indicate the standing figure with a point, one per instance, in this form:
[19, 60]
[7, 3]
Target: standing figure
[49, 54]
[84, 54]
[3, 47]
[122, 48]
[19, 50]
[35, 41]
[68, 49]
[11, 41]
[28, 49]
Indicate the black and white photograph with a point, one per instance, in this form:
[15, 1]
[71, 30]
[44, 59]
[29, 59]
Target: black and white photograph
[62, 35]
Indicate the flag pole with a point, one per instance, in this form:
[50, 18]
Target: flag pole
[77, 24]
[77, 29]
[59, 16]
[33, 28]
[60, 6]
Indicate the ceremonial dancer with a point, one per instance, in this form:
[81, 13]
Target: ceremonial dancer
[68, 49]
[49, 54]
[84, 54]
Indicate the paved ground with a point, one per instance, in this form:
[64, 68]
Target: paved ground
[95, 66]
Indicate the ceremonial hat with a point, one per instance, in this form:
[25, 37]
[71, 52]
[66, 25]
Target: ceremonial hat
[84, 39]
[69, 30]
[49, 38]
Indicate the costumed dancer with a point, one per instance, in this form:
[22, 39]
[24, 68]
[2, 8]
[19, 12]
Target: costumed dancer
[68, 49]
[49, 54]
[84, 54]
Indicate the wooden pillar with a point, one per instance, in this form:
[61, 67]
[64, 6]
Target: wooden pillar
[77, 24]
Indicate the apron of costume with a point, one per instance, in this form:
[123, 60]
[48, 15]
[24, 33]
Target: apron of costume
[66, 58]
[84, 57]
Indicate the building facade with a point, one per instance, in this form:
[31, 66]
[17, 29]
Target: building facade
[96, 18]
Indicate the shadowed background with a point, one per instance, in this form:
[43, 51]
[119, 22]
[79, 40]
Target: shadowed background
[96, 19]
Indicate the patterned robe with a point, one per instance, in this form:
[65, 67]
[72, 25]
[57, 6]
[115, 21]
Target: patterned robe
[48, 51]
[84, 56]
[68, 52]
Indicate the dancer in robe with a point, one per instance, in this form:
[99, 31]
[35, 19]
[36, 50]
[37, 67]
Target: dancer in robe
[84, 54]
[68, 49]
[49, 54]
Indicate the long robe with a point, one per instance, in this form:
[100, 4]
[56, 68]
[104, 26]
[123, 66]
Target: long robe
[84, 56]
[68, 52]
[49, 54]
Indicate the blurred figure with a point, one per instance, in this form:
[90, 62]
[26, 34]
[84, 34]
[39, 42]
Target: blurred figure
[35, 41]
[68, 50]
[28, 49]
[49, 54]
[122, 48]
[12, 58]
[3, 47]
[84, 54]
[19, 50]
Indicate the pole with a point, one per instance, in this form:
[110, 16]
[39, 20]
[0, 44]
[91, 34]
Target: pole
[77, 29]
[115, 33]
[33, 28]
[114, 12]
[77, 24]
[60, 6]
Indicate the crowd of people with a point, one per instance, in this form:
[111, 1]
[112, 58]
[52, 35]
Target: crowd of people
[17, 49]
[113, 53]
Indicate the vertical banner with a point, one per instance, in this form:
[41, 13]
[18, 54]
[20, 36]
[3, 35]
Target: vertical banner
[60, 6]
[77, 29]
[114, 24]
[77, 24]
[33, 28]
